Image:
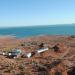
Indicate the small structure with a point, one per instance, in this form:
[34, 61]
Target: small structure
[28, 55]
[42, 50]
[31, 54]
[14, 53]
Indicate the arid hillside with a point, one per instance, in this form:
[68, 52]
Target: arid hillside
[59, 59]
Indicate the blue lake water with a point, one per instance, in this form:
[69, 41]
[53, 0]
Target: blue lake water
[21, 32]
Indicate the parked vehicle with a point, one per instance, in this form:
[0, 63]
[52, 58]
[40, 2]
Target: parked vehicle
[14, 54]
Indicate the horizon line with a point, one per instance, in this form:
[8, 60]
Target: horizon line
[39, 25]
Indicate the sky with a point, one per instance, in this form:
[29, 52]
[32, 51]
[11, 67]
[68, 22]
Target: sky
[36, 12]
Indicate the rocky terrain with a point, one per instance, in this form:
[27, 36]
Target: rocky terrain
[59, 61]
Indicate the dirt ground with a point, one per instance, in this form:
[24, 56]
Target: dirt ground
[61, 62]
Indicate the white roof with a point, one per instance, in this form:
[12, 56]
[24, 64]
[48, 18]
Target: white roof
[29, 55]
[42, 50]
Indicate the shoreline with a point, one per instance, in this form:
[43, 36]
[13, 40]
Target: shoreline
[7, 36]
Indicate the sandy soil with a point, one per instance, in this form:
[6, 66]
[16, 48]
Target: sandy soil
[46, 63]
